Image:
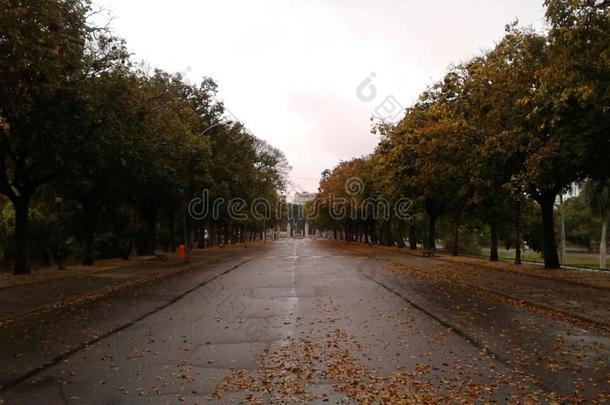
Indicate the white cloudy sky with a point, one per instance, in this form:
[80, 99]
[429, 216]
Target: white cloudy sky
[290, 69]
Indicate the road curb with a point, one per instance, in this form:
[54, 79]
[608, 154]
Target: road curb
[93, 297]
[483, 266]
[67, 274]
[576, 319]
[63, 355]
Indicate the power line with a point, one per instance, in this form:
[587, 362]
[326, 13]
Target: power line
[304, 178]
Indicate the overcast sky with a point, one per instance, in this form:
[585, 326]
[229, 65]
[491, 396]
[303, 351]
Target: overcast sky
[290, 70]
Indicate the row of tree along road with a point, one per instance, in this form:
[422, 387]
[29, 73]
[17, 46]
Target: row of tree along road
[99, 155]
[495, 142]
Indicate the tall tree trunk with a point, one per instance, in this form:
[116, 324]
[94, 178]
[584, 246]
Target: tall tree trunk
[493, 254]
[88, 245]
[413, 238]
[518, 234]
[146, 241]
[172, 231]
[431, 234]
[456, 238]
[551, 259]
[212, 235]
[187, 231]
[127, 247]
[151, 236]
[401, 235]
[562, 236]
[88, 257]
[21, 204]
[89, 236]
[456, 232]
[387, 237]
[603, 244]
[373, 234]
[233, 234]
[200, 232]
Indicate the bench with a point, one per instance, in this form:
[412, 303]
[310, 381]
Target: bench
[428, 253]
[160, 254]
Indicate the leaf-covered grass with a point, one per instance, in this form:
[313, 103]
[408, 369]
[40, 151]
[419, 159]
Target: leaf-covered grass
[580, 259]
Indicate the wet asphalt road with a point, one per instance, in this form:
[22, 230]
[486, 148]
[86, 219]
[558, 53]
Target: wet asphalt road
[446, 342]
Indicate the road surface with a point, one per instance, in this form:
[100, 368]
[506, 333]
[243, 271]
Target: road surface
[303, 321]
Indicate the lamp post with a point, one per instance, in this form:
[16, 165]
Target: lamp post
[519, 236]
[60, 239]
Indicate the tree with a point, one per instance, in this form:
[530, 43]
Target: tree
[127, 148]
[97, 171]
[574, 93]
[598, 196]
[581, 226]
[486, 95]
[47, 51]
[515, 126]
[550, 163]
[569, 118]
[433, 157]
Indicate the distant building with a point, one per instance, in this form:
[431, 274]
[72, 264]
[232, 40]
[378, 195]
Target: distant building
[297, 224]
[303, 198]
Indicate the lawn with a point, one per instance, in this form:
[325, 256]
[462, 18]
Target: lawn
[578, 259]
